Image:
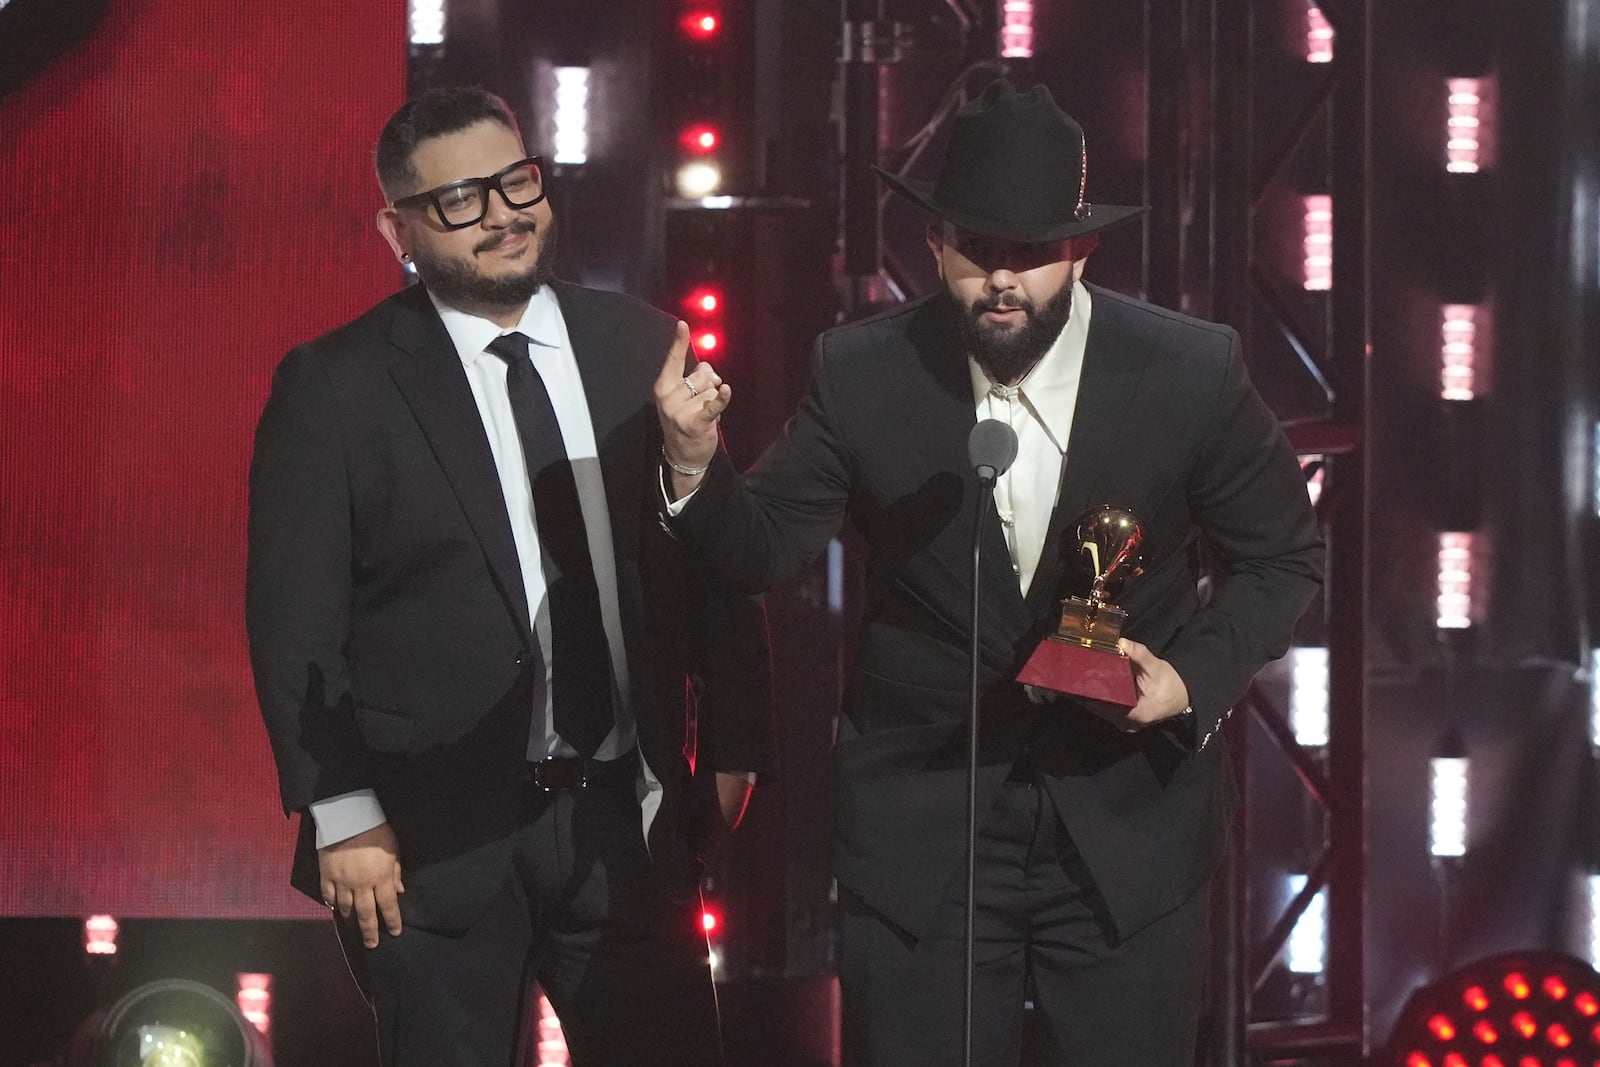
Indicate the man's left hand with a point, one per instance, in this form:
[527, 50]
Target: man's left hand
[1162, 694]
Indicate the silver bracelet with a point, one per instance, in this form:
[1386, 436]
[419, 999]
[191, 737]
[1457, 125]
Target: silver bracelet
[687, 472]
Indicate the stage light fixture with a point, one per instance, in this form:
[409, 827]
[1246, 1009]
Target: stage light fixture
[1594, 685]
[427, 22]
[1596, 466]
[698, 179]
[100, 935]
[1319, 36]
[169, 1023]
[700, 25]
[1453, 603]
[1449, 773]
[552, 1042]
[1308, 697]
[703, 301]
[1016, 29]
[571, 115]
[254, 999]
[1592, 887]
[1458, 351]
[1463, 128]
[1514, 1010]
[1317, 269]
[699, 138]
[1308, 941]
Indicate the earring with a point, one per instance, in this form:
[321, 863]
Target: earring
[405, 257]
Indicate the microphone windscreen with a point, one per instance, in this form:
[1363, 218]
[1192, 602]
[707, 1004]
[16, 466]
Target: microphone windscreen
[992, 447]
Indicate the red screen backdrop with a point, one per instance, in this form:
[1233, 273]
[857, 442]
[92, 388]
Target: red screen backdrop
[187, 194]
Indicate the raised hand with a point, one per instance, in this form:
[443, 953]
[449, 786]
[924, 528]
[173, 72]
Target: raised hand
[689, 405]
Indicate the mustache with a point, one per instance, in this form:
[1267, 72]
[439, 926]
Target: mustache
[495, 241]
[1002, 300]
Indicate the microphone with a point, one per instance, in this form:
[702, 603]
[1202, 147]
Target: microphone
[992, 447]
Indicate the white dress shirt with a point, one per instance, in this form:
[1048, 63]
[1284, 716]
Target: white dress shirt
[1039, 408]
[348, 814]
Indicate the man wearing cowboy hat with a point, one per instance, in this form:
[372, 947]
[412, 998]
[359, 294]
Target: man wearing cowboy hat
[1099, 825]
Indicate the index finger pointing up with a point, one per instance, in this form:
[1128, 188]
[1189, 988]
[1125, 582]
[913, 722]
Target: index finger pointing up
[677, 356]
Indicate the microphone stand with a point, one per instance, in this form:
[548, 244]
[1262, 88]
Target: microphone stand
[985, 495]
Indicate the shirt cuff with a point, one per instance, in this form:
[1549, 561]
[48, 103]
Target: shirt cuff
[346, 815]
[675, 507]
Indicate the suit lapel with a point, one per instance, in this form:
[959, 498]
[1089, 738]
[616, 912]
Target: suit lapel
[435, 387]
[1100, 432]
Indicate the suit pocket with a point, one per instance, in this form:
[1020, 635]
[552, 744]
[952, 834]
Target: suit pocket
[383, 730]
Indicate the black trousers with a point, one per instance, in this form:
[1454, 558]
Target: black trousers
[1042, 934]
[614, 941]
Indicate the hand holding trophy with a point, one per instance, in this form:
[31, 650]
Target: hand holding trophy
[1082, 657]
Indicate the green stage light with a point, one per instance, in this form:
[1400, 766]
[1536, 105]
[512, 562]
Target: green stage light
[169, 1023]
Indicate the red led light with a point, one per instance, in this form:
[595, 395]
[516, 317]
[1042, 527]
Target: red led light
[1484, 1032]
[707, 341]
[1524, 1024]
[703, 301]
[1442, 1027]
[1456, 1059]
[1475, 998]
[1518, 986]
[1557, 1035]
[100, 935]
[1529, 1061]
[1417, 1059]
[708, 919]
[701, 25]
[1491, 1060]
[1554, 987]
[700, 138]
[1586, 1004]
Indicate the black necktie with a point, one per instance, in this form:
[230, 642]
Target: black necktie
[580, 660]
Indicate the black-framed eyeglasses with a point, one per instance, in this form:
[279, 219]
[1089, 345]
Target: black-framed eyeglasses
[464, 203]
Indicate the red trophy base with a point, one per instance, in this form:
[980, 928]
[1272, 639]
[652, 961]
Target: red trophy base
[1069, 667]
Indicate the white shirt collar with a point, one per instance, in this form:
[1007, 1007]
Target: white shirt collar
[541, 321]
[1054, 376]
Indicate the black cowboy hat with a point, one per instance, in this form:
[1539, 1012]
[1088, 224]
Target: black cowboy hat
[1015, 170]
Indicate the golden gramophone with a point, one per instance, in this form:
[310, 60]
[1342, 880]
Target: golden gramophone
[1082, 658]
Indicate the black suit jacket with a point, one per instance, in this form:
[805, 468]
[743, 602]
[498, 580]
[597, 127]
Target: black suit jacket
[389, 629]
[1166, 426]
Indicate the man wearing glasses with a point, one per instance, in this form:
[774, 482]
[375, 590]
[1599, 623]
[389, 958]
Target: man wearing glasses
[471, 636]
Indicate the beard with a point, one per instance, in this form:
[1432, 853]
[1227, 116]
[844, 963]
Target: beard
[1008, 353]
[459, 283]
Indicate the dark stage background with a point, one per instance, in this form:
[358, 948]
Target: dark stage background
[188, 192]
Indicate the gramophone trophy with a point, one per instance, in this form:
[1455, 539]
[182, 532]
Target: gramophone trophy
[1082, 658]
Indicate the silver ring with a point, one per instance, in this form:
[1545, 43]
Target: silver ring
[692, 390]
